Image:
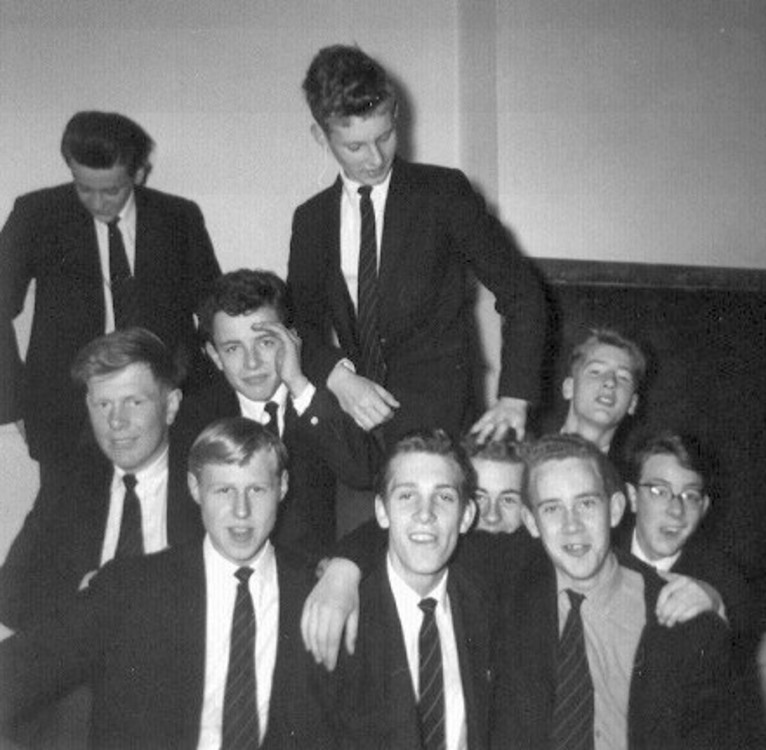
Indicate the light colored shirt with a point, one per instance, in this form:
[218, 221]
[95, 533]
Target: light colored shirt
[127, 228]
[351, 228]
[613, 616]
[221, 592]
[410, 619]
[152, 491]
[256, 410]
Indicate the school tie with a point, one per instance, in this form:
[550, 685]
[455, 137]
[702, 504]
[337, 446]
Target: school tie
[371, 363]
[431, 680]
[122, 281]
[272, 426]
[573, 711]
[240, 708]
[131, 540]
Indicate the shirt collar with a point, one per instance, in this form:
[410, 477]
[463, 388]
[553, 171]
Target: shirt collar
[379, 191]
[406, 596]
[149, 473]
[664, 564]
[223, 569]
[600, 595]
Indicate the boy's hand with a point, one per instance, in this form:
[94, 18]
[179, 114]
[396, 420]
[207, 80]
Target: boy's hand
[507, 414]
[288, 359]
[683, 598]
[368, 403]
[332, 605]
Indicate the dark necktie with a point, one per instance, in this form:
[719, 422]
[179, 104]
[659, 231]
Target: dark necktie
[371, 363]
[272, 426]
[131, 540]
[431, 685]
[240, 707]
[573, 712]
[122, 282]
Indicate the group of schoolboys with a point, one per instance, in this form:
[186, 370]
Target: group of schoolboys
[450, 643]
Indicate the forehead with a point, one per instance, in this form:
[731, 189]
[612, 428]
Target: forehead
[135, 378]
[559, 479]
[262, 468]
[357, 128]
[498, 473]
[227, 327]
[423, 469]
[100, 179]
[666, 467]
[612, 356]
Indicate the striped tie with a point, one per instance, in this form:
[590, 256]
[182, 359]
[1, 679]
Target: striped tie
[240, 709]
[371, 363]
[431, 685]
[131, 540]
[122, 282]
[573, 712]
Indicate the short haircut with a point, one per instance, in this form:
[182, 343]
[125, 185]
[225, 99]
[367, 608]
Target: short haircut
[687, 449]
[115, 351]
[556, 447]
[241, 292]
[342, 81]
[435, 442]
[505, 450]
[234, 441]
[610, 337]
[102, 140]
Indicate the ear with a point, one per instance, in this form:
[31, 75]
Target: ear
[632, 496]
[567, 388]
[529, 521]
[705, 506]
[173, 404]
[140, 176]
[193, 484]
[212, 352]
[284, 483]
[633, 404]
[617, 503]
[469, 513]
[319, 135]
[380, 513]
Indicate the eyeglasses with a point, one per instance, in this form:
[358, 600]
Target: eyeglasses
[692, 499]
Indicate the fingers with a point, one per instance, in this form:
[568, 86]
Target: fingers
[352, 628]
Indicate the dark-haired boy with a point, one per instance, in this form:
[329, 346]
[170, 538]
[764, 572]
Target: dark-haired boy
[197, 646]
[380, 259]
[81, 242]
[245, 322]
[420, 674]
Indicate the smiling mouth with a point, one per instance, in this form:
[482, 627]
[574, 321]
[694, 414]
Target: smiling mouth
[241, 534]
[422, 537]
[577, 550]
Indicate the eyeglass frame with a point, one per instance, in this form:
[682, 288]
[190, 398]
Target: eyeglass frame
[659, 491]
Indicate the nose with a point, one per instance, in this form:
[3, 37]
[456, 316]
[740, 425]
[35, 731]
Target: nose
[253, 358]
[610, 379]
[491, 515]
[425, 510]
[572, 520]
[676, 507]
[117, 417]
[242, 505]
[376, 158]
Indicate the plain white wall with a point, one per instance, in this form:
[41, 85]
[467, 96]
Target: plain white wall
[603, 129]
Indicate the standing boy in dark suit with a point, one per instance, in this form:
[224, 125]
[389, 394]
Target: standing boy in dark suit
[105, 253]
[198, 646]
[132, 395]
[246, 325]
[637, 684]
[379, 260]
[392, 694]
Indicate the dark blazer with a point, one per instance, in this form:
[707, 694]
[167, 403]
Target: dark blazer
[323, 444]
[375, 705]
[678, 695]
[435, 225]
[62, 537]
[139, 633]
[50, 238]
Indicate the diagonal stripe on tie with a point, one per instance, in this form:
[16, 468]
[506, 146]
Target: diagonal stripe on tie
[125, 298]
[431, 708]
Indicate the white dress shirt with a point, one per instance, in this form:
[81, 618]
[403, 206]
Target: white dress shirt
[411, 618]
[221, 591]
[256, 410]
[351, 228]
[152, 491]
[127, 228]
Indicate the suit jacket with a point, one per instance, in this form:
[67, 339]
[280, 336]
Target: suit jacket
[138, 633]
[375, 701]
[63, 535]
[678, 690]
[323, 444]
[435, 225]
[50, 238]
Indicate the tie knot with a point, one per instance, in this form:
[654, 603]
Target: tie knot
[427, 605]
[243, 574]
[113, 223]
[575, 599]
[130, 482]
[272, 409]
[365, 191]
